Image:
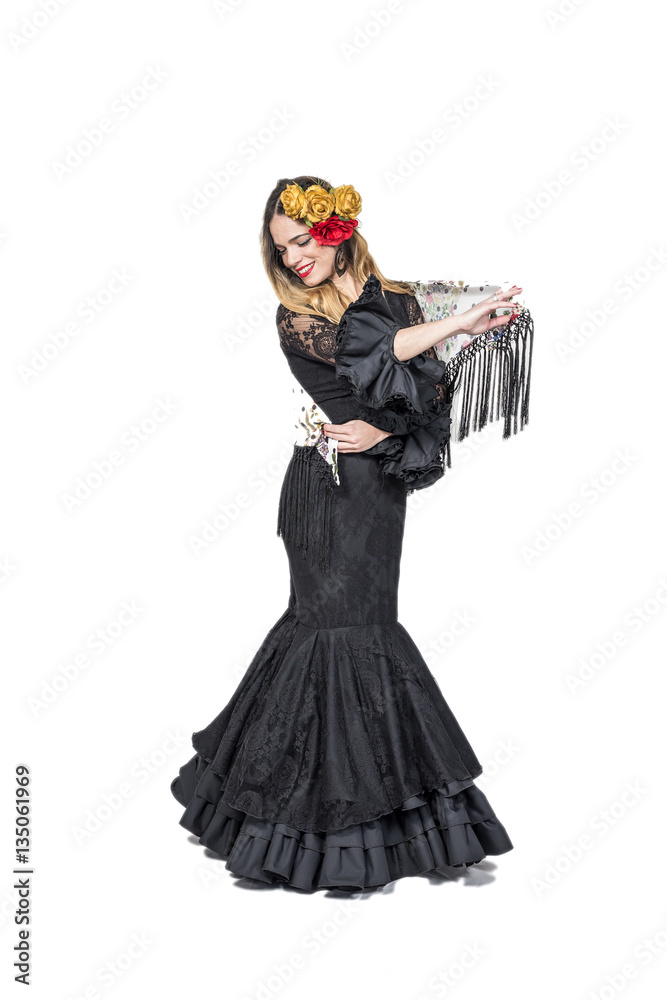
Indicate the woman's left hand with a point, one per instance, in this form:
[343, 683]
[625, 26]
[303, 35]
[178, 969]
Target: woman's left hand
[354, 435]
[477, 319]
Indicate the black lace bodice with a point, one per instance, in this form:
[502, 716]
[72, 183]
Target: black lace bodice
[310, 345]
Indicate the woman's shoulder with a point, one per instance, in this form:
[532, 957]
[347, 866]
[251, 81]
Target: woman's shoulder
[289, 317]
[313, 337]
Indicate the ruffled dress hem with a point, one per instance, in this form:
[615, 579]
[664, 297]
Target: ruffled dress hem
[453, 826]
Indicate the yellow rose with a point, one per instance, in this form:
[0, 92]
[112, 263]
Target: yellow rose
[293, 201]
[319, 204]
[348, 201]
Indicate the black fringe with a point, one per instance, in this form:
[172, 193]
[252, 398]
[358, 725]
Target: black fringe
[304, 510]
[493, 377]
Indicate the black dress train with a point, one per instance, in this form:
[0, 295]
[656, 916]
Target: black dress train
[337, 763]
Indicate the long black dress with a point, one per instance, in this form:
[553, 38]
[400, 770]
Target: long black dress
[337, 763]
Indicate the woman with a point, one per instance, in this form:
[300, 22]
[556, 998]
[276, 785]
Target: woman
[337, 763]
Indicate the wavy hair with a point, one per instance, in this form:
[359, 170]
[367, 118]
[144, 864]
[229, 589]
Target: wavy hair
[324, 299]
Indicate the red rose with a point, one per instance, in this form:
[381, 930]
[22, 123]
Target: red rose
[333, 230]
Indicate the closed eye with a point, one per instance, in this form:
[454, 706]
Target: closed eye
[304, 244]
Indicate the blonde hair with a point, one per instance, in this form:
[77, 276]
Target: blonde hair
[325, 299]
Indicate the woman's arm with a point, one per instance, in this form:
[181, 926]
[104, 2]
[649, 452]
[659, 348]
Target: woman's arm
[413, 340]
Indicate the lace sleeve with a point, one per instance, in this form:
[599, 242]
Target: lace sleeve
[413, 309]
[312, 336]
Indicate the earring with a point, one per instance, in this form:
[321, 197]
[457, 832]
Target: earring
[339, 261]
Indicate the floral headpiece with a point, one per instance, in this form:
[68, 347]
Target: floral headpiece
[331, 216]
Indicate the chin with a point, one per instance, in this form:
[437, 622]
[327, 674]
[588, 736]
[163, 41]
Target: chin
[307, 277]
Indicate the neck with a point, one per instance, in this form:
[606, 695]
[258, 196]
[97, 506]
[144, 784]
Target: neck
[348, 285]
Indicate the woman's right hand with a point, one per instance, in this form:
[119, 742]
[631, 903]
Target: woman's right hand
[355, 435]
[477, 320]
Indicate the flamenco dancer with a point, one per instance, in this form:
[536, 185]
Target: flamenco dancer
[337, 763]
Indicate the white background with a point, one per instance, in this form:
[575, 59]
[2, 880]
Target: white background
[362, 91]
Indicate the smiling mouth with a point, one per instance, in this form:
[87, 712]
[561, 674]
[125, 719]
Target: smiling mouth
[305, 270]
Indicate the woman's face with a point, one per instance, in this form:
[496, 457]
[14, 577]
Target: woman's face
[301, 252]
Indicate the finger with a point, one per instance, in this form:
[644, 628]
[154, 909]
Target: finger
[334, 430]
[500, 320]
[338, 430]
[485, 308]
[503, 304]
[340, 436]
[503, 293]
[494, 302]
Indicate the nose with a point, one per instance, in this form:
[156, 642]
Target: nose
[292, 256]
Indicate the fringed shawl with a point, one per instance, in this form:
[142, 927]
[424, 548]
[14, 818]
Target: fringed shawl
[486, 379]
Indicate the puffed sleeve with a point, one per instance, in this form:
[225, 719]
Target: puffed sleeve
[420, 456]
[365, 358]
[418, 452]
